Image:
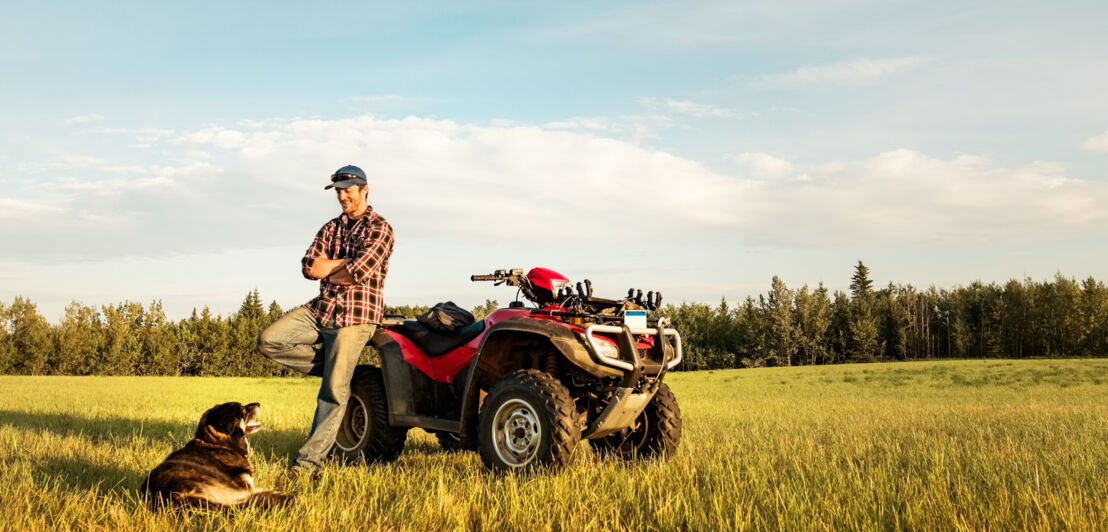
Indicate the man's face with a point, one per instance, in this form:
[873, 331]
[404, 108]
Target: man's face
[352, 199]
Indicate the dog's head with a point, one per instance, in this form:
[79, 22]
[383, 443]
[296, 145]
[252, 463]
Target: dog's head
[229, 424]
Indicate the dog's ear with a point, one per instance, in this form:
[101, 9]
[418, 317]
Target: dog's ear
[201, 428]
[233, 419]
[220, 422]
[237, 431]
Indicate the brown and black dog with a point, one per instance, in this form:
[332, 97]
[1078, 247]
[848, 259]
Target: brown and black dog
[213, 468]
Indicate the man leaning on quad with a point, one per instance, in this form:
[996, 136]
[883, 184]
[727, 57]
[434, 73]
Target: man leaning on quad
[350, 257]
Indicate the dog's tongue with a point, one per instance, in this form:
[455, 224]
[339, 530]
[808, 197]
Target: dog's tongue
[253, 426]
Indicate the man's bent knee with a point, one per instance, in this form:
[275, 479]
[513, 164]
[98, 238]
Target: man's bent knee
[270, 343]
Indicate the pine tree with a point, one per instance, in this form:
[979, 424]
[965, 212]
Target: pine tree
[122, 351]
[79, 339]
[1015, 321]
[1094, 303]
[274, 313]
[246, 325]
[860, 283]
[893, 323]
[30, 338]
[189, 358]
[213, 334]
[747, 354]
[7, 350]
[721, 352]
[864, 334]
[782, 331]
[1069, 325]
[813, 319]
[838, 334]
[406, 311]
[480, 311]
[158, 338]
[251, 307]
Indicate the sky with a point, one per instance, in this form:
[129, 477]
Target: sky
[178, 152]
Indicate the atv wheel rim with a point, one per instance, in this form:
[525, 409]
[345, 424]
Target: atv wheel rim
[630, 440]
[354, 424]
[516, 433]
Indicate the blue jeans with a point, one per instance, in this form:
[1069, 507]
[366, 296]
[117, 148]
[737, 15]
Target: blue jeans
[291, 341]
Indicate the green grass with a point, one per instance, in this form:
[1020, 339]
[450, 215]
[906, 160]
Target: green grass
[975, 445]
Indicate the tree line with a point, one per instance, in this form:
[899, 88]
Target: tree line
[132, 339]
[1060, 317]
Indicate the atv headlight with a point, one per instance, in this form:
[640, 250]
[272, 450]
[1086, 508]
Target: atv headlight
[606, 348]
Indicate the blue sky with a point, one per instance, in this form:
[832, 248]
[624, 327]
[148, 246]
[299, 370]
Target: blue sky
[178, 152]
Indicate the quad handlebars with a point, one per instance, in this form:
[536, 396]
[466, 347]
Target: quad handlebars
[512, 277]
[566, 297]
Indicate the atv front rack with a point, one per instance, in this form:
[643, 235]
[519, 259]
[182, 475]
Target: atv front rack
[636, 389]
[599, 318]
[630, 360]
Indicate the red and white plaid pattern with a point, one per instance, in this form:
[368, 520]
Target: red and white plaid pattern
[367, 243]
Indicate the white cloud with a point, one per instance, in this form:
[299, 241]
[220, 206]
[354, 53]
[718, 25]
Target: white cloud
[431, 178]
[764, 164]
[137, 178]
[907, 196]
[689, 25]
[261, 186]
[1097, 143]
[659, 114]
[21, 209]
[144, 136]
[862, 71]
[585, 124]
[215, 136]
[636, 128]
[62, 163]
[693, 109]
[649, 25]
[467, 197]
[387, 101]
[82, 119]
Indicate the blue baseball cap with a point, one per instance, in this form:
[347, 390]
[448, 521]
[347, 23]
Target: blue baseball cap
[347, 177]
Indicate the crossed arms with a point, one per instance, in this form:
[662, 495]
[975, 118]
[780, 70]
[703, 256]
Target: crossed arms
[368, 256]
[333, 270]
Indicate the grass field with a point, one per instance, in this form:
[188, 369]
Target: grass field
[976, 445]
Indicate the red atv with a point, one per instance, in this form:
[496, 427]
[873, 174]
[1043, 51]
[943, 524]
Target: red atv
[524, 385]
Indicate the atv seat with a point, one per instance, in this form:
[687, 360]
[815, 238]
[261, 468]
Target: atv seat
[436, 343]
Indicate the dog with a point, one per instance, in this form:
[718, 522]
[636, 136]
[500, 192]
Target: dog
[213, 468]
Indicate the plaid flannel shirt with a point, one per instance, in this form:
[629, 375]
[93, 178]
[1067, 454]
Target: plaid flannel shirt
[367, 243]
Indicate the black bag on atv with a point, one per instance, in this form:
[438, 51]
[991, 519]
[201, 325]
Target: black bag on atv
[446, 317]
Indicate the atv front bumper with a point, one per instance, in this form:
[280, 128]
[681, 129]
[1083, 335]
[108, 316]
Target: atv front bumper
[642, 375]
[630, 359]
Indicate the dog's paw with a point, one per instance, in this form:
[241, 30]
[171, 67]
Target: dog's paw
[271, 498]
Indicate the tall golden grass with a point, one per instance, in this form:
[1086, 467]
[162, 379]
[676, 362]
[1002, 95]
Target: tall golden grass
[962, 445]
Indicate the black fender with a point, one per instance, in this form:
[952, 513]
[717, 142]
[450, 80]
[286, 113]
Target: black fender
[495, 357]
[409, 392]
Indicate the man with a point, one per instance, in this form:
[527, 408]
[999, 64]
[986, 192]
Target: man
[350, 257]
